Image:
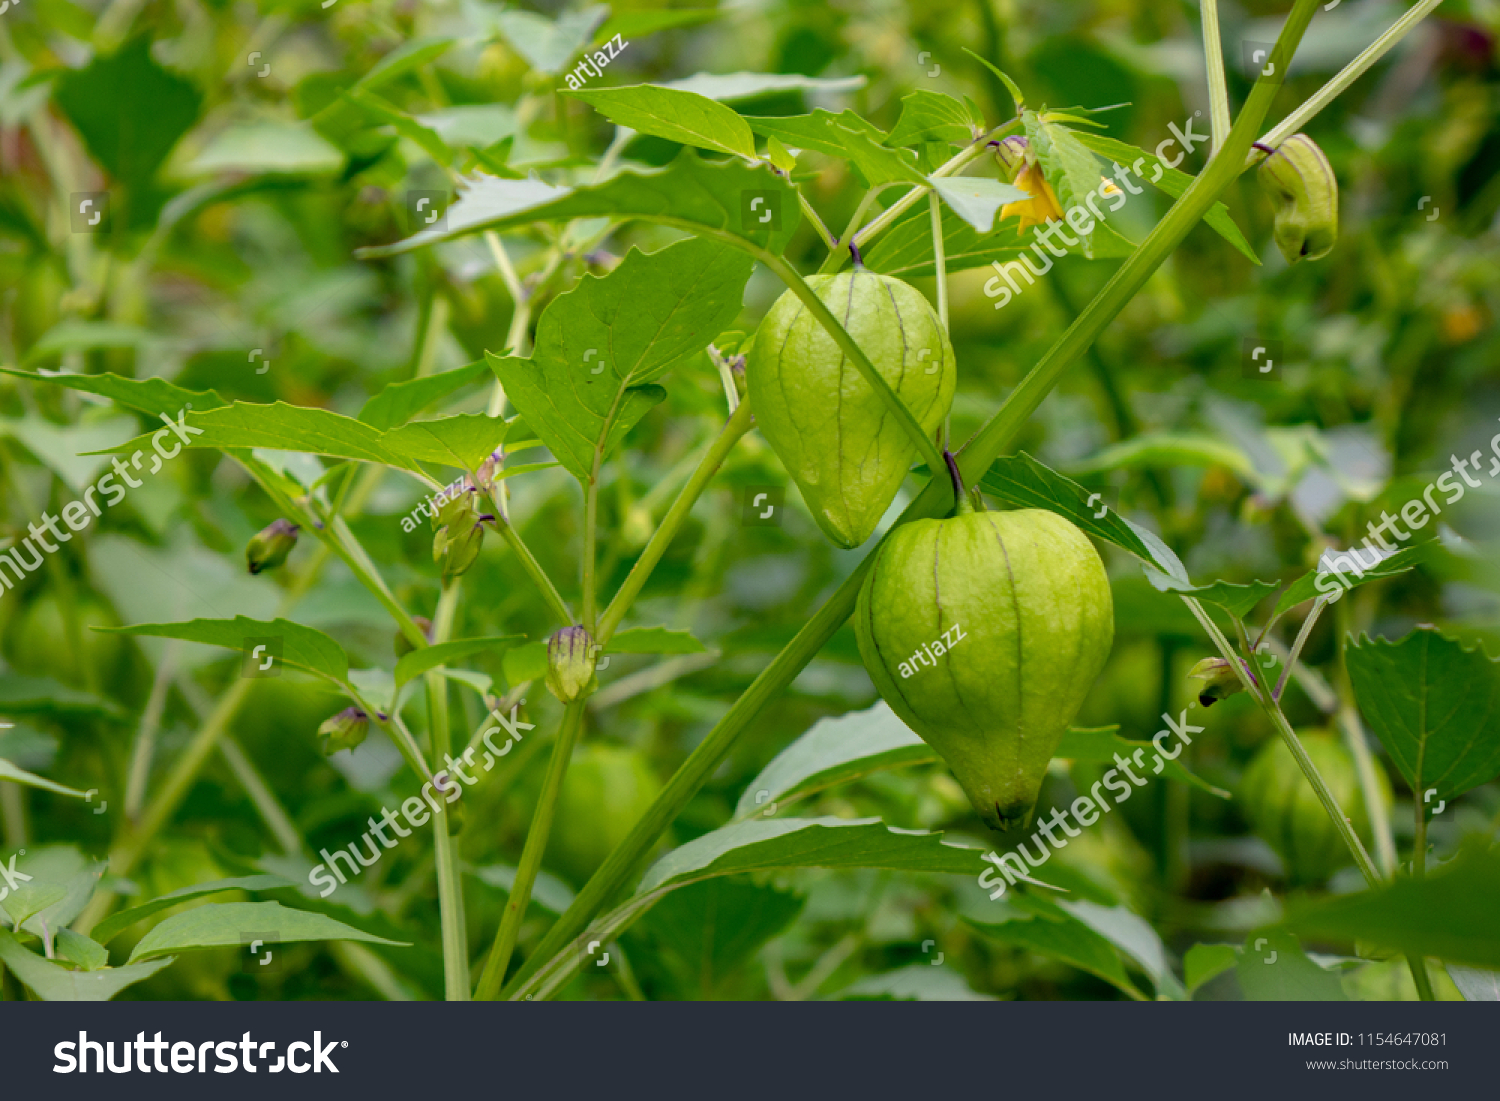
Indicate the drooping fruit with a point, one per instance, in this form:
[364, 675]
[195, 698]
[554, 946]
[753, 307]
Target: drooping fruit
[984, 632]
[1286, 812]
[607, 788]
[836, 436]
[1302, 185]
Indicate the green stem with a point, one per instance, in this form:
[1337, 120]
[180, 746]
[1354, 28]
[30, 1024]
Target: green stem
[939, 261]
[934, 499]
[841, 337]
[444, 845]
[812, 216]
[531, 855]
[590, 544]
[1296, 651]
[1299, 752]
[1418, 963]
[835, 255]
[672, 522]
[1218, 89]
[1349, 74]
[533, 568]
[1359, 747]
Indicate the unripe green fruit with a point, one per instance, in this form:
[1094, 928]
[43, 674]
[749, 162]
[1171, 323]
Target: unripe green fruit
[833, 432]
[1286, 812]
[1301, 183]
[984, 632]
[607, 788]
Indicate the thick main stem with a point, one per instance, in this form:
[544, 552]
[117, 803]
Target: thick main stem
[1218, 89]
[531, 855]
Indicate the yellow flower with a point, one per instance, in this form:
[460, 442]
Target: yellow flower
[1041, 207]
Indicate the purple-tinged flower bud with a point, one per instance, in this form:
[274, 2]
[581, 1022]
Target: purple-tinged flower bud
[269, 547]
[571, 654]
[345, 730]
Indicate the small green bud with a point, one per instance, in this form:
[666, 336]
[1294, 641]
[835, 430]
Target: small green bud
[460, 532]
[571, 654]
[269, 547]
[403, 644]
[1220, 681]
[345, 730]
[1301, 183]
[1010, 155]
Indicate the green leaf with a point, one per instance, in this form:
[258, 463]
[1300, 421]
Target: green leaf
[1340, 566]
[548, 45]
[302, 647]
[1021, 481]
[77, 889]
[129, 110]
[601, 343]
[675, 115]
[152, 396]
[280, 427]
[1237, 599]
[920, 982]
[1474, 983]
[464, 441]
[835, 750]
[1132, 935]
[1435, 706]
[1100, 745]
[932, 116]
[430, 657]
[1173, 182]
[528, 662]
[24, 902]
[221, 925]
[547, 892]
[25, 695]
[1010, 85]
[1275, 969]
[62, 447]
[975, 199]
[629, 24]
[764, 844]
[1069, 167]
[87, 954]
[117, 923]
[74, 335]
[1450, 913]
[845, 135]
[1166, 449]
[268, 147]
[400, 401]
[654, 640]
[691, 193]
[17, 775]
[408, 57]
[705, 932]
[905, 250]
[1061, 936]
[1205, 962]
[381, 112]
[53, 983]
